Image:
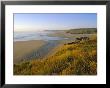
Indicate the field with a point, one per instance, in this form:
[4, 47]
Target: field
[75, 56]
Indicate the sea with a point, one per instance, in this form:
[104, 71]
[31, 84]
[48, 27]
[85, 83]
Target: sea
[39, 35]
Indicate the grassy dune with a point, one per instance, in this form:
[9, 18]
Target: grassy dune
[67, 59]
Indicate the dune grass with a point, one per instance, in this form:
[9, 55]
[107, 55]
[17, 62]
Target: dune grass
[73, 59]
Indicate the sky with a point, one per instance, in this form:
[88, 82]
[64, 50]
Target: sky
[53, 21]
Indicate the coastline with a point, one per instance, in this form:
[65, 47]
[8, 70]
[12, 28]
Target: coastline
[28, 50]
[64, 59]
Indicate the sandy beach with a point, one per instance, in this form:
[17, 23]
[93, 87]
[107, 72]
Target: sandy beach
[21, 48]
[28, 50]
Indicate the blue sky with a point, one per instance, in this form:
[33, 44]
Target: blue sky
[54, 21]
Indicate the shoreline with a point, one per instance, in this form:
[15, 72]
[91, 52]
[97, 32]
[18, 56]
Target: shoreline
[33, 49]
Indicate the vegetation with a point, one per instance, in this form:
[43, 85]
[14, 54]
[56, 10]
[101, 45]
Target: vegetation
[79, 58]
[82, 31]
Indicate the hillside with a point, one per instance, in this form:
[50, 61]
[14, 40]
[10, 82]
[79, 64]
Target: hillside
[82, 31]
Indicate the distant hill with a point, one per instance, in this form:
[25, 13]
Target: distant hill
[82, 31]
